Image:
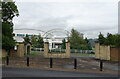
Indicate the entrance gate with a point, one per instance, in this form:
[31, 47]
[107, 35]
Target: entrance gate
[65, 54]
[48, 54]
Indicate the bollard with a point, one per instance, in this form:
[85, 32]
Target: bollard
[27, 61]
[75, 63]
[7, 60]
[101, 65]
[51, 62]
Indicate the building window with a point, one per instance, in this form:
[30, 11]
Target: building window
[21, 35]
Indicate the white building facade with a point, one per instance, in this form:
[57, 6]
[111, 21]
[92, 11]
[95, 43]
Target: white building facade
[55, 42]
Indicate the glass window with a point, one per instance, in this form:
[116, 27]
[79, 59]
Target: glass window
[20, 35]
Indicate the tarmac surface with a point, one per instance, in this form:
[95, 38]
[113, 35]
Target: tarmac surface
[28, 72]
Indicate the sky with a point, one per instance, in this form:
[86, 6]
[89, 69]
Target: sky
[89, 17]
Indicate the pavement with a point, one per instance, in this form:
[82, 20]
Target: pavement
[91, 61]
[84, 64]
[29, 72]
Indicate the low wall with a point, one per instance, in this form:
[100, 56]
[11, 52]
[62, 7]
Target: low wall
[4, 53]
[20, 50]
[56, 55]
[114, 53]
[107, 52]
[102, 52]
[19, 53]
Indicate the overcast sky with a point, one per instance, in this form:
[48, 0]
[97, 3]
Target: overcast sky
[87, 16]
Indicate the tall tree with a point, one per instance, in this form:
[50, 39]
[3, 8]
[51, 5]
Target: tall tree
[88, 45]
[117, 40]
[40, 42]
[9, 11]
[33, 40]
[109, 39]
[27, 39]
[112, 40]
[63, 44]
[76, 40]
[101, 39]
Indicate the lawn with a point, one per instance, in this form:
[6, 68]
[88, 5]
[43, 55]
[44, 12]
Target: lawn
[34, 53]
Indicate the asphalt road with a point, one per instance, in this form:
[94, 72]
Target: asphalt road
[27, 72]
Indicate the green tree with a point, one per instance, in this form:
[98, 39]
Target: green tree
[101, 39]
[39, 42]
[63, 44]
[112, 40]
[87, 41]
[117, 44]
[88, 45]
[76, 40]
[33, 40]
[27, 39]
[9, 11]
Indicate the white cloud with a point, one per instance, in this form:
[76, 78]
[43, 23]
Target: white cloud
[67, 0]
[85, 16]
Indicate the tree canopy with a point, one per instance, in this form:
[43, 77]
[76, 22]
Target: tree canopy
[37, 41]
[63, 44]
[77, 41]
[9, 11]
[27, 39]
[110, 39]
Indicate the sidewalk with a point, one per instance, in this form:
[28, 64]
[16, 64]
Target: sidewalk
[83, 65]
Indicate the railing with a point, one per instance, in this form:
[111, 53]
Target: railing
[57, 51]
[37, 49]
[64, 50]
[82, 51]
[79, 53]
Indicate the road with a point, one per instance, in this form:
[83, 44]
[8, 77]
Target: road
[27, 72]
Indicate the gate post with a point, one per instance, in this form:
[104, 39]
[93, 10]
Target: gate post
[68, 49]
[46, 48]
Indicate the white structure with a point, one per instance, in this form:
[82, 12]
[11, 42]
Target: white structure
[54, 41]
[18, 39]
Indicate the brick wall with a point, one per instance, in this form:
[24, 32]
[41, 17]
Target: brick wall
[114, 53]
[56, 55]
[4, 53]
[102, 52]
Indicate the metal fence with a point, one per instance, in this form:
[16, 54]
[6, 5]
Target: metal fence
[82, 51]
[57, 51]
[37, 49]
[64, 50]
